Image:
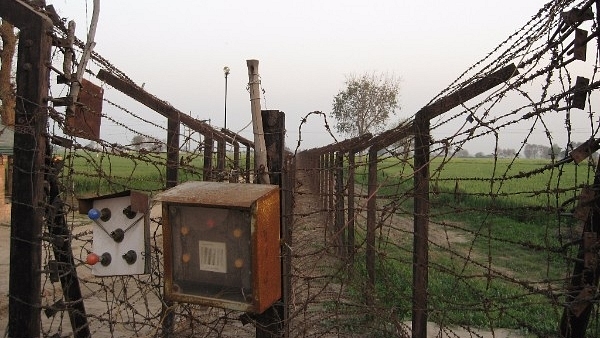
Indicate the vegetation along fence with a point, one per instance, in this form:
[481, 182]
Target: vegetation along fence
[397, 234]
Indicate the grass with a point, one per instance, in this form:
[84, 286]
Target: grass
[91, 173]
[509, 213]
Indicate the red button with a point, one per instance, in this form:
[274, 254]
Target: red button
[92, 259]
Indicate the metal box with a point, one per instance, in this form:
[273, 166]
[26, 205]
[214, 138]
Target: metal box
[221, 244]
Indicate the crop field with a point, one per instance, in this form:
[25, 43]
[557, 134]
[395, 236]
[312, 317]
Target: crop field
[95, 173]
[500, 234]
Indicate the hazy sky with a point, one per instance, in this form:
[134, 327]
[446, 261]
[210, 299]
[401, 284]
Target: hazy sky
[305, 48]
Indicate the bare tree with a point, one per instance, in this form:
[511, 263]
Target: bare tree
[137, 141]
[366, 103]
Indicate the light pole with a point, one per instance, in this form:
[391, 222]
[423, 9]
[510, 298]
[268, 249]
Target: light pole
[226, 71]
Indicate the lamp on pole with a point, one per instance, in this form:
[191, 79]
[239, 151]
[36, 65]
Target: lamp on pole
[226, 71]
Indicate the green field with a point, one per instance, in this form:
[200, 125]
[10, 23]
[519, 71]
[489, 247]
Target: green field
[509, 216]
[90, 173]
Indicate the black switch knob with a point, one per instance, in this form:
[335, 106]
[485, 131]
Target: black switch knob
[118, 235]
[105, 259]
[130, 257]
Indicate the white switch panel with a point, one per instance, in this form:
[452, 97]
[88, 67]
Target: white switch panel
[122, 235]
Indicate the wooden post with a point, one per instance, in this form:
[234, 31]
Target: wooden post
[272, 323]
[331, 195]
[28, 198]
[371, 226]
[340, 219]
[173, 128]
[261, 169]
[323, 179]
[85, 57]
[220, 160]
[248, 158]
[235, 173]
[207, 172]
[350, 191]
[421, 226]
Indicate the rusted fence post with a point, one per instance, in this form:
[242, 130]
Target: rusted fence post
[340, 221]
[235, 171]
[322, 180]
[272, 323]
[173, 128]
[220, 160]
[371, 225]
[421, 225]
[28, 198]
[207, 171]
[330, 193]
[350, 192]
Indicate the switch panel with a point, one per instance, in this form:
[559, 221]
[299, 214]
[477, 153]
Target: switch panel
[120, 231]
[221, 244]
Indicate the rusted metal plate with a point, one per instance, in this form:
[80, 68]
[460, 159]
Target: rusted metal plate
[583, 208]
[221, 245]
[235, 195]
[139, 202]
[585, 150]
[85, 120]
[580, 92]
[583, 300]
[580, 50]
[590, 248]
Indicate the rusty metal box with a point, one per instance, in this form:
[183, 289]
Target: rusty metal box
[221, 244]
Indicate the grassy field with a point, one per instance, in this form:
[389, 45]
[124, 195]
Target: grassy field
[91, 173]
[507, 214]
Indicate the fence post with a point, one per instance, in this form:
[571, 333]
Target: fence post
[235, 173]
[322, 181]
[208, 155]
[173, 126]
[248, 168]
[220, 160]
[421, 225]
[351, 221]
[340, 220]
[28, 198]
[371, 225]
[272, 323]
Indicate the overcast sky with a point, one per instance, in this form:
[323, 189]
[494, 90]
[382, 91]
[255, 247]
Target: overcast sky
[306, 49]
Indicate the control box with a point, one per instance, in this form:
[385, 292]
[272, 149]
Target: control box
[221, 244]
[120, 232]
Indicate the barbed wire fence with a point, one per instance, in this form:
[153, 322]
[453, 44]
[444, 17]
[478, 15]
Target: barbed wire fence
[424, 238]
[509, 243]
